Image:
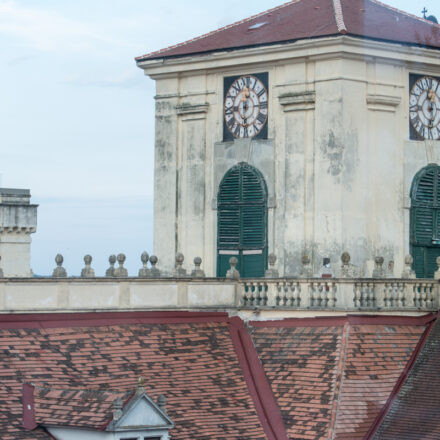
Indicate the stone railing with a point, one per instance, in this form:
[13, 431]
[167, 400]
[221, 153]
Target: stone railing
[191, 293]
[340, 294]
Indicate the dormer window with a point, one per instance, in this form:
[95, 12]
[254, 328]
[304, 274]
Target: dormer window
[107, 414]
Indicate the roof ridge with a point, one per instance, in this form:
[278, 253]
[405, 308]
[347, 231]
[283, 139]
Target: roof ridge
[38, 387]
[207, 34]
[401, 11]
[339, 17]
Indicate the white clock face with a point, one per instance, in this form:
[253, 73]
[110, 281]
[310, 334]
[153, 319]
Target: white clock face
[424, 107]
[245, 107]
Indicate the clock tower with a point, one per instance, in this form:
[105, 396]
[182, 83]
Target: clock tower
[305, 131]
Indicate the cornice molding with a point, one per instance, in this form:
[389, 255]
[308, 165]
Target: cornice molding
[386, 103]
[341, 46]
[297, 101]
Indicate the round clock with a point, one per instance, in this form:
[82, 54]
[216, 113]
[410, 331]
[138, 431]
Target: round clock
[245, 107]
[424, 107]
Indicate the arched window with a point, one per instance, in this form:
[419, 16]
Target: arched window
[425, 220]
[242, 221]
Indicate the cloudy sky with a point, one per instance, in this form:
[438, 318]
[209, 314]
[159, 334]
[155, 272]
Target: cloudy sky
[76, 115]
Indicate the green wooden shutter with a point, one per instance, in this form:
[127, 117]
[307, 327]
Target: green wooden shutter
[425, 221]
[242, 221]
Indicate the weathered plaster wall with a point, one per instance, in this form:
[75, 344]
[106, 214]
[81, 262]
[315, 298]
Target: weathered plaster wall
[338, 160]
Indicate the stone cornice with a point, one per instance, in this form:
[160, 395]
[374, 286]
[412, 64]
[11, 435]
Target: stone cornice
[321, 48]
[25, 230]
[387, 103]
[297, 101]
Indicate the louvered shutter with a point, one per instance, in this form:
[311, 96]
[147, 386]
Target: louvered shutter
[242, 220]
[229, 211]
[425, 221]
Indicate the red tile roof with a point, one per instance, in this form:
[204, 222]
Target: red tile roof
[319, 378]
[413, 408]
[196, 360]
[304, 19]
[89, 409]
[331, 377]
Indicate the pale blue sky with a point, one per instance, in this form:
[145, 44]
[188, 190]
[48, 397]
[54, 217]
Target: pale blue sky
[77, 116]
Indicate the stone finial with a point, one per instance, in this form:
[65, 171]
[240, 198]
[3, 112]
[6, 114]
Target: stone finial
[141, 386]
[121, 271]
[1, 270]
[117, 408]
[347, 269]
[437, 272]
[197, 271]
[144, 272]
[378, 271]
[306, 270]
[88, 272]
[59, 271]
[155, 272]
[272, 272]
[110, 272]
[162, 402]
[408, 272]
[179, 271]
[233, 273]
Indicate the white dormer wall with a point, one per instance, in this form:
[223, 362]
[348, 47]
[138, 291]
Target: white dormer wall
[342, 159]
[82, 434]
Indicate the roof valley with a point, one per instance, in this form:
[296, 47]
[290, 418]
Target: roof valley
[339, 379]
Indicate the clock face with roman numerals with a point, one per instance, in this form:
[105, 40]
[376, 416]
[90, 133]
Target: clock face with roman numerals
[246, 107]
[424, 107]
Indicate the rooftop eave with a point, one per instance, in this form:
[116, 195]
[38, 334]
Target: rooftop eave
[317, 48]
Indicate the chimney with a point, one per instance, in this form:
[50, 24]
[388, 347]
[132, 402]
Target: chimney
[18, 219]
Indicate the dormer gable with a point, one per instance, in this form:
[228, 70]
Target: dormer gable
[97, 414]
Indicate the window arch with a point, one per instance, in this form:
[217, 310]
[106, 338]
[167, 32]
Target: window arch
[242, 221]
[425, 220]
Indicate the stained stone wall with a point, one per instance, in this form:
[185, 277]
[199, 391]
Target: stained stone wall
[338, 160]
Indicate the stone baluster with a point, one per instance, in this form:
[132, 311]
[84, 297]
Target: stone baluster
[264, 293]
[197, 271]
[155, 272]
[323, 295]
[313, 295]
[246, 294]
[279, 293]
[423, 295]
[357, 295]
[59, 271]
[297, 294]
[401, 295]
[306, 271]
[378, 271]
[121, 271]
[272, 293]
[87, 271]
[387, 298]
[110, 272]
[233, 273]
[408, 273]
[332, 295]
[417, 295]
[429, 296]
[437, 272]
[272, 272]
[144, 271]
[372, 295]
[179, 271]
